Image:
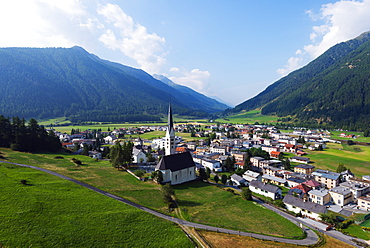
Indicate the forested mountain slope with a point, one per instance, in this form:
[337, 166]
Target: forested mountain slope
[54, 82]
[333, 89]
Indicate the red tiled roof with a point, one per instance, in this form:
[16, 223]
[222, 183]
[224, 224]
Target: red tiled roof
[312, 183]
[302, 187]
[180, 149]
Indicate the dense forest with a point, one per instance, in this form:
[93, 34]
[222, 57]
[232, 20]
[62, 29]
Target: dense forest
[70, 82]
[332, 90]
[23, 137]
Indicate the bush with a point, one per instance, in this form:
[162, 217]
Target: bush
[76, 161]
[139, 173]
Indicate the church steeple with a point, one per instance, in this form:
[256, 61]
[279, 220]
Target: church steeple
[170, 120]
[170, 134]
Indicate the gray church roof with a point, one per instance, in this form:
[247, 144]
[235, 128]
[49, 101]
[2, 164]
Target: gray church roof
[175, 162]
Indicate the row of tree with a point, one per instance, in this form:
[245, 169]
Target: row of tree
[31, 137]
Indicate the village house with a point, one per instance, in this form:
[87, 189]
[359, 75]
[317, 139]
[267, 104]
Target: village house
[219, 149]
[275, 154]
[251, 175]
[270, 149]
[180, 149]
[270, 170]
[357, 189]
[328, 178]
[346, 175]
[313, 184]
[363, 203]
[202, 149]
[341, 195]
[237, 180]
[267, 190]
[319, 196]
[294, 181]
[299, 159]
[273, 180]
[308, 209]
[213, 165]
[362, 181]
[300, 191]
[256, 163]
[138, 156]
[290, 148]
[239, 156]
[304, 169]
[273, 163]
[191, 145]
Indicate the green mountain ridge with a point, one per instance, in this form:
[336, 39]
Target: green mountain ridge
[54, 82]
[334, 89]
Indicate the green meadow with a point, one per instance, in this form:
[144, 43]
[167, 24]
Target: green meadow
[249, 117]
[199, 202]
[208, 204]
[52, 212]
[354, 157]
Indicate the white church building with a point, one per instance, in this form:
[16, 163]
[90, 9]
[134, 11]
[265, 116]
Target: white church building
[176, 168]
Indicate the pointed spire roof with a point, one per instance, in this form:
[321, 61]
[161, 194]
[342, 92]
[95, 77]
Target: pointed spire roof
[170, 120]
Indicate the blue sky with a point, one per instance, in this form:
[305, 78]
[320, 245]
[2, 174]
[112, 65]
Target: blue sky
[228, 49]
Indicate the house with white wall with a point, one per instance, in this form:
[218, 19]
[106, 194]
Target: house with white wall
[308, 209]
[267, 190]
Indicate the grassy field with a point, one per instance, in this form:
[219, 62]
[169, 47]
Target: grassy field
[361, 138]
[220, 208]
[205, 203]
[52, 212]
[248, 117]
[357, 161]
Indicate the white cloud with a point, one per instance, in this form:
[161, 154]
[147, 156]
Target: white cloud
[132, 39]
[56, 23]
[343, 20]
[293, 63]
[195, 79]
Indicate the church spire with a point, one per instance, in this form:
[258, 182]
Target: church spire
[170, 120]
[170, 134]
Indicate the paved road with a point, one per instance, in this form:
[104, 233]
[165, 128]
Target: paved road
[309, 240]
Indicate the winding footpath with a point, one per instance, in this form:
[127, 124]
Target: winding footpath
[311, 238]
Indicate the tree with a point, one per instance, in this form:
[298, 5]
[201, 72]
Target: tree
[203, 174]
[116, 155]
[167, 193]
[341, 168]
[216, 178]
[246, 194]
[85, 150]
[286, 164]
[247, 162]
[319, 148]
[366, 133]
[329, 218]
[281, 156]
[208, 171]
[223, 179]
[157, 176]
